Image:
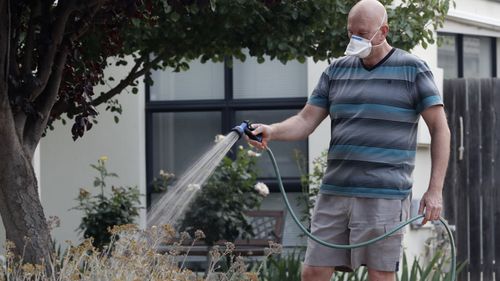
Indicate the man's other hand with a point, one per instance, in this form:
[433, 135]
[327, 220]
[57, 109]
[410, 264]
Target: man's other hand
[432, 204]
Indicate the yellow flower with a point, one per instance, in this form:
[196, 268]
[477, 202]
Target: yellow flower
[103, 158]
[84, 193]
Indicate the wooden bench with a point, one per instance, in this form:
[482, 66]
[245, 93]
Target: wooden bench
[267, 226]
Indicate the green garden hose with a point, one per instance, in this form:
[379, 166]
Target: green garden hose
[366, 243]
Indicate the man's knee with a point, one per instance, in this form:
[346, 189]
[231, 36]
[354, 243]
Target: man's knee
[316, 273]
[377, 275]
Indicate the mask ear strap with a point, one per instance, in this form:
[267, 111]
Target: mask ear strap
[374, 46]
[381, 24]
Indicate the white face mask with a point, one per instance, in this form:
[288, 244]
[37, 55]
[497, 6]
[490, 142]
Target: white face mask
[361, 47]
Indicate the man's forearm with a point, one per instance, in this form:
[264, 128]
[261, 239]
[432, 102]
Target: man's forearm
[300, 126]
[440, 154]
[291, 129]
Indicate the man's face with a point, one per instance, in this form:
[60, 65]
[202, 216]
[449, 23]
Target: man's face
[364, 27]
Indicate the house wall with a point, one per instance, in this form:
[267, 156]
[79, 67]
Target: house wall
[65, 163]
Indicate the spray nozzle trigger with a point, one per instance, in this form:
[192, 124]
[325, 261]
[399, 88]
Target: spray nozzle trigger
[248, 132]
[246, 128]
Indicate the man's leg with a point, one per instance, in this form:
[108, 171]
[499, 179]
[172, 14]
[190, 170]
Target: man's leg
[316, 273]
[329, 223]
[376, 275]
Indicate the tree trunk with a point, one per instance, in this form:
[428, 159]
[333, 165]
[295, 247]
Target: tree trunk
[21, 209]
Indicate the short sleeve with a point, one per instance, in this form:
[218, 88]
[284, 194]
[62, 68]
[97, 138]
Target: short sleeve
[426, 89]
[319, 96]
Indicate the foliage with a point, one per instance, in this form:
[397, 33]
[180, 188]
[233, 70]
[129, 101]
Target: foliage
[175, 32]
[162, 182]
[435, 270]
[310, 182]
[284, 267]
[218, 209]
[102, 212]
[289, 268]
[134, 256]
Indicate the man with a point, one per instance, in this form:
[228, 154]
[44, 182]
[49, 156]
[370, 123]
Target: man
[374, 97]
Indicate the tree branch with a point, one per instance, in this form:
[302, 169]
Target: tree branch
[54, 34]
[30, 39]
[35, 125]
[131, 77]
[69, 38]
[3, 58]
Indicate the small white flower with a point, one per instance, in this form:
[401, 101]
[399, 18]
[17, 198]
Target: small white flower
[240, 147]
[262, 189]
[219, 138]
[252, 153]
[194, 187]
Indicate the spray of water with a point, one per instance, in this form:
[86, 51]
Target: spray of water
[170, 207]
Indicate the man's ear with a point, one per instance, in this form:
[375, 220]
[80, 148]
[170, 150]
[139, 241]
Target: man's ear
[385, 30]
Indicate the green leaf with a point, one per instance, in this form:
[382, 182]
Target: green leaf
[117, 119]
[174, 16]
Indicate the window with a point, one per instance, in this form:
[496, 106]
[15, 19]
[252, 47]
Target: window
[180, 137]
[467, 56]
[202, 81]
[184, 112]
[447, 56]
[477, 57]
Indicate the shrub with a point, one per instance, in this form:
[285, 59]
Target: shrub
[101, 212]
[218, 209]
[310, 182]
[135, 256]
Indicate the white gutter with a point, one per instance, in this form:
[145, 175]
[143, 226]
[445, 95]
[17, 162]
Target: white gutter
[474, 20]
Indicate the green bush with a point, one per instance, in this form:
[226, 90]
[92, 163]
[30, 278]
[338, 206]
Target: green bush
[310, 182]
[218, 209]
[282, 268]
[102, 212]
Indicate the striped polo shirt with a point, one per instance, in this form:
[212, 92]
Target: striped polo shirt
[374, 119]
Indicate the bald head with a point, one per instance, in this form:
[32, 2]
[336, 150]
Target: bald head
[369, 10]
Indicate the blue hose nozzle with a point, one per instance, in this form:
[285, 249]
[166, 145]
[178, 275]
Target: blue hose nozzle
[246, 128]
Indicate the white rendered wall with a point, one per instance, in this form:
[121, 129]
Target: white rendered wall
[65, 163]
[478, 8]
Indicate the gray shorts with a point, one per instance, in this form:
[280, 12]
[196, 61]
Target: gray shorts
[350, 220]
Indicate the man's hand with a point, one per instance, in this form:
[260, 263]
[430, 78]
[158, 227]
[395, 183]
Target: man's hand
[266, 132]
[432, 204]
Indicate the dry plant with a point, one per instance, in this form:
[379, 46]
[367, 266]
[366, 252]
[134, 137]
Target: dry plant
[133, 255]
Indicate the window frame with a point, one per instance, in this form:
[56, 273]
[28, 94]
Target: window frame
[228, 108]
[459, 41]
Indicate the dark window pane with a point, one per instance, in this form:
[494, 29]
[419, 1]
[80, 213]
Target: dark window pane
[181, 138]
[477, 57]
[283, 151]
[447, 56]
[201, 81]
[270, 79]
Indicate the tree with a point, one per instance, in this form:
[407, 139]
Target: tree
[53, 53]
